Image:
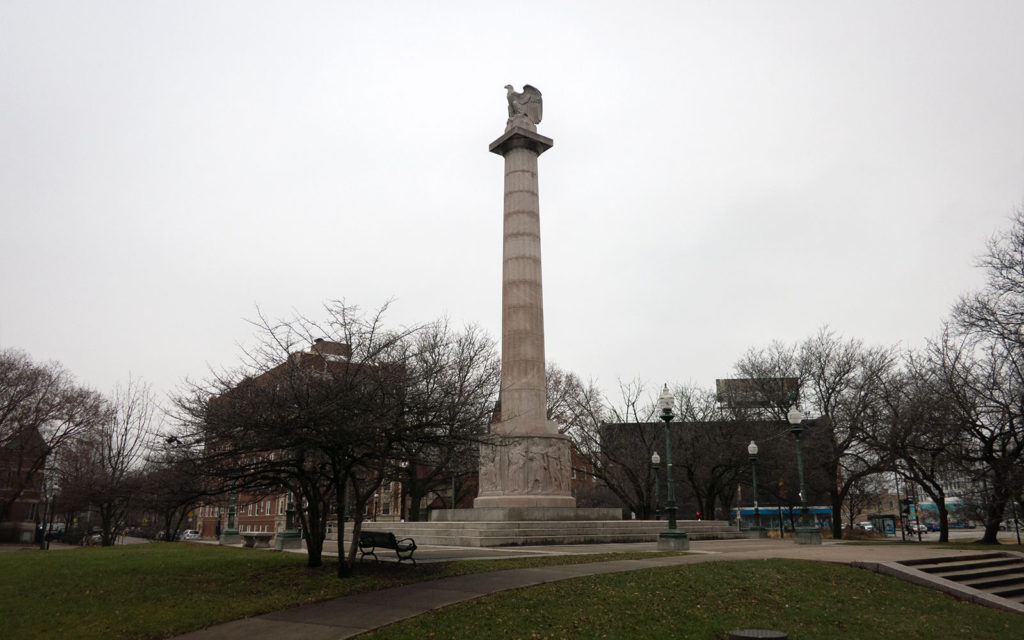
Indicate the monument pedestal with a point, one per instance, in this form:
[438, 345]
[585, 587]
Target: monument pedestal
[808, 535]
[230, 536]
[673, 540]
[529, 471]
[288, 539]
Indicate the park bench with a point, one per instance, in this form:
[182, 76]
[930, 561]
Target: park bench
[260, 540]
[369, 541]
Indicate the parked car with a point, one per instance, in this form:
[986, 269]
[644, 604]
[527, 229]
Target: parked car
[865, 526]
[913, 527]
[189, 534]
[1008, 525]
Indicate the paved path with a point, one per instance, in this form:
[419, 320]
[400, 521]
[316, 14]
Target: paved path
[349, 616]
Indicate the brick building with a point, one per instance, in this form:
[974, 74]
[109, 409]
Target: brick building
[22, 516]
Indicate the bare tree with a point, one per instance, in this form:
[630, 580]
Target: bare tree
[309, 412]
[982, 383]
[982, 360]
[41, 410]
[861, 495]
[920, 435]
[997, 310]
[170, 487]
[328, 409]
[105, 467]
[840, 381]
[452, 380]
[710, 450]
[615, 440]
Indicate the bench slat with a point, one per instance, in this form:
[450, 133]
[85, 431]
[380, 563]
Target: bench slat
[370, 540]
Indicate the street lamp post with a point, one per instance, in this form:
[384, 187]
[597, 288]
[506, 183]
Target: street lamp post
[290, 538]
[230, 535]
[672, 539]
[805, 534]
[655, 465]
[752, 454]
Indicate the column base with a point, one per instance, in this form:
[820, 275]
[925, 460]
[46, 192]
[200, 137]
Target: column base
[673, 540]
[288, 539]
[808, 535]
[230, 536]
[755, 533]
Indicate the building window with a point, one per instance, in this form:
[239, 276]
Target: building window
[250, 508]
[267, 510]
[572, 474]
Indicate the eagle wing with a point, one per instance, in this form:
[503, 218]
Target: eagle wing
[532, 103]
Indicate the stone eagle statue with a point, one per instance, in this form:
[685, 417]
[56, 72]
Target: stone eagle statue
[524, 109]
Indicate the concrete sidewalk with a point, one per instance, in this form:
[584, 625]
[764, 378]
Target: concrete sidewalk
[349, 616]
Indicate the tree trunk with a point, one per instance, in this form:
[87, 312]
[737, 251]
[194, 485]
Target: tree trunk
[108, 524]
[311, 525]
[417, 491]
[993, 515]
[344, 569]
[350, 560]
[837, 515]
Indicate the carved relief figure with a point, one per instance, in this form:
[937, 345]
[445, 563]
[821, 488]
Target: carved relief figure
[489, 469]
[535, 471]
[556, 470]
[517, 467]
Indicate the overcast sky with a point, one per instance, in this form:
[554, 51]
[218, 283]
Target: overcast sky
[724, 173]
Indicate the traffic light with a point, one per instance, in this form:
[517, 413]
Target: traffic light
[905, 509]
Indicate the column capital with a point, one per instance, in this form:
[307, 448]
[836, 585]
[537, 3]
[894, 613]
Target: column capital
[519, 138]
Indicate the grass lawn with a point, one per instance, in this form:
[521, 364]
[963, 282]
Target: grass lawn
[974, 546]
[160, 590]
[805, 599]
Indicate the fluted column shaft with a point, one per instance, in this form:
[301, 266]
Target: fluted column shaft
[522, 301]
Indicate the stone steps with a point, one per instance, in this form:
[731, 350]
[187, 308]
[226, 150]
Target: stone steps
[533, 533]
[997, 574]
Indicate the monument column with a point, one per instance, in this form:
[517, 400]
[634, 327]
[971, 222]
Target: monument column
[527, 462]
[523, 400]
